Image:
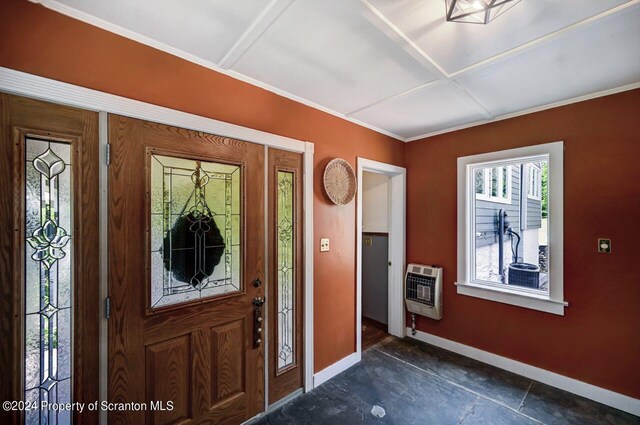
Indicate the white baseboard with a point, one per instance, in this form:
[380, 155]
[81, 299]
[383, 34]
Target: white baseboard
[340, 366]
[601, 395]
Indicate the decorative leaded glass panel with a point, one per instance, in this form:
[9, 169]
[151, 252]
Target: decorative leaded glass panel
[47, 324]
[195, 230]
[286, 270]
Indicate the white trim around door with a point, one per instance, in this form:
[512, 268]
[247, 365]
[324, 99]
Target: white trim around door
[28, 85]
[397, 235]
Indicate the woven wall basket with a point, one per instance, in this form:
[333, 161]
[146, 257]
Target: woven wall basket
[339, 181]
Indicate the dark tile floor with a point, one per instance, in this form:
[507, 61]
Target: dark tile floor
[409, 382]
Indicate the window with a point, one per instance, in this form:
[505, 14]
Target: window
[196, 220]
[504, 251]
[286, 271]
[48, 324]
[535, 181]
[493, 184]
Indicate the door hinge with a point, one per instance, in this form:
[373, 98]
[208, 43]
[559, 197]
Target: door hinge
[108, 154]
[107, 307]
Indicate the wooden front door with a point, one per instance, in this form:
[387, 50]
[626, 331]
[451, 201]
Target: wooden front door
[285, 274]
[186, 262]
[49, 263]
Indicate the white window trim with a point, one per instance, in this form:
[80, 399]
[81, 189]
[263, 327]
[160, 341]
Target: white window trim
[553, 302]
[486, 196]
[534, 191]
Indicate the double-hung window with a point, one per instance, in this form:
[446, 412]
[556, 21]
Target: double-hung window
[494, 183]
[510, 229]
[534, 191]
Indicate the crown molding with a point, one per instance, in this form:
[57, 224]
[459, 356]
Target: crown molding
[132, 35]
[578, 99]
[275, 9]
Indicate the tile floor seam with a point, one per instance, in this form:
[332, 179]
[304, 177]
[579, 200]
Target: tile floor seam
[459, 386]
[525, 396]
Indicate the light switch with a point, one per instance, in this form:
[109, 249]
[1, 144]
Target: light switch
[604, 246]
[324, 244]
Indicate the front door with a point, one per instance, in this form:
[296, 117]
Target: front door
[186, 262]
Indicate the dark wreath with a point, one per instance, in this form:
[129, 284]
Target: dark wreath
[194, 245]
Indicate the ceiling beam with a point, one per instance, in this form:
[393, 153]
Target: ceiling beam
[542, 39]
[263, 21]
[402, 40]
[378, 19]
[397, 95]
[583, 98]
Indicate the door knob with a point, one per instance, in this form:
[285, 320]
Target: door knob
[257, 283]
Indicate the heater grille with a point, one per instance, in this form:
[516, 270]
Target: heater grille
[421, 288]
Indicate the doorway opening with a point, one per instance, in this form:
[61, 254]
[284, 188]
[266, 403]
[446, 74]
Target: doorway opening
[380, 252]
[375, 258]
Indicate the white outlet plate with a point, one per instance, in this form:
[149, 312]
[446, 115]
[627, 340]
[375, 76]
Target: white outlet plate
[324, 245]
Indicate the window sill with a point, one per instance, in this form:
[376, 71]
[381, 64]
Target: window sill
[508, 296]
[493, 199]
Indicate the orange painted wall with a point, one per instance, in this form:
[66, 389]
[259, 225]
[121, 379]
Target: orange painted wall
[598, 339]
[36, 40]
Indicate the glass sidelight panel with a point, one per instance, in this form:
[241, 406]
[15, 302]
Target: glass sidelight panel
[195, 230]
[48, 277]
[286, 264]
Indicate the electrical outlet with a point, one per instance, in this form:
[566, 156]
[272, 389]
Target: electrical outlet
[324, 245]
[604, 246]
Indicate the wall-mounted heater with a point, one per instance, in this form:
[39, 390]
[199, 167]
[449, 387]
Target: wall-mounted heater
[423, 292]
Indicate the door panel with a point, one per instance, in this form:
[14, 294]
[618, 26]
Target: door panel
[228, 354]
[285, 274]
[49, 265]
[186, 232]
[168, 378]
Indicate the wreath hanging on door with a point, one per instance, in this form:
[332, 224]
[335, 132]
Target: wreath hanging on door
[194, 243]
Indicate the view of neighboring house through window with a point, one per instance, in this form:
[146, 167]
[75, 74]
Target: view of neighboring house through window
[535, 181]
[509, 203]
[494, 183]
[510, 238]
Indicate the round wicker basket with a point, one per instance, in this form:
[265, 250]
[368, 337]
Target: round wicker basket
[339, 181]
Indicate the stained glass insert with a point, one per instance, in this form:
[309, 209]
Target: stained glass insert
[195, 230]
[286, 270]
[48, 278]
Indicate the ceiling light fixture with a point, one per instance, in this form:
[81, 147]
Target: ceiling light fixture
[477, 11]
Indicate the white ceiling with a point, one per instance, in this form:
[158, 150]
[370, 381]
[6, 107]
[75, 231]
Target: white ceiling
[394, 65]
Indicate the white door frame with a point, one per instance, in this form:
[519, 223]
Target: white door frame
[397, 236]
[28, 85]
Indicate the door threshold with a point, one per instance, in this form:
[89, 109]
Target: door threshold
[275, 406]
